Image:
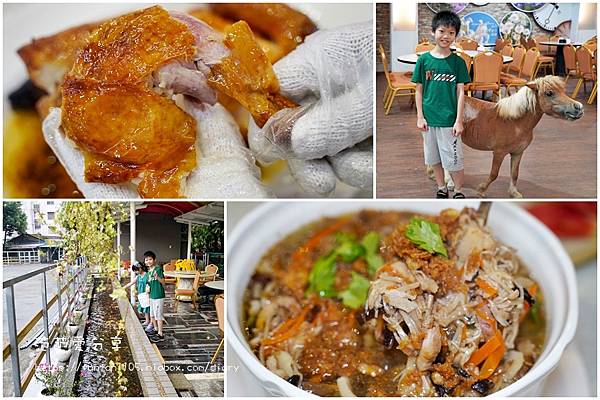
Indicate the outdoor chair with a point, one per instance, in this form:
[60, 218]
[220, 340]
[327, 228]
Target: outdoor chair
[398, 84]
[487, 67]
[193, 292]
[219, 306]
[169, 267]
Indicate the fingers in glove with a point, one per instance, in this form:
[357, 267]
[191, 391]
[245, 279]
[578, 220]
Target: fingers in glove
[72, 159]
[225, 167]
[315, 177]
[327, 63]
[354, 166]
[325, 129]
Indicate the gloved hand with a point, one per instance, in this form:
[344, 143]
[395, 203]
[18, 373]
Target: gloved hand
[225, 167]
[329, 136]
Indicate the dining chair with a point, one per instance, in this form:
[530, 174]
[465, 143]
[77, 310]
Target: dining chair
[468, 44]
[591, 43]
[585, 62]
[193, 292]
[570, 56]
[513, 68]
[499, 44]
[526, 74]
[168, 268]
[423, 47]
[595, 67]
[398, 84]
[507, 50]
[219, 306]
[545, 62]
[487, 67]
[211, 269]
[544, 48]
[467, 59]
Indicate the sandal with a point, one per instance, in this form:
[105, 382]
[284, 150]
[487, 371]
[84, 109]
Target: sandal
[459, 195]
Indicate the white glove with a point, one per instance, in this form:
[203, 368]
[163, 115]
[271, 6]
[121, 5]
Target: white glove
[330, 75]
[225, 168]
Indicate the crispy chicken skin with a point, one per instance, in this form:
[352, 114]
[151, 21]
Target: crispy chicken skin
[278, 22]
[49, 59]
[110, 111]
[247, 75]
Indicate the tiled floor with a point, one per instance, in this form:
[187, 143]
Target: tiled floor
[191, 338]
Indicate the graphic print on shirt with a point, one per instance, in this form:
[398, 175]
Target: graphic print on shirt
[432, 75]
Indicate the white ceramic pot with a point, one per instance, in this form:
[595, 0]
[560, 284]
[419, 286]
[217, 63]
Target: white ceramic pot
[540, 250]
[63, 355]
[73, 329]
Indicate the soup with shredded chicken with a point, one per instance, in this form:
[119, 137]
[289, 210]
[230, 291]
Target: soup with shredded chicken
[385, 303]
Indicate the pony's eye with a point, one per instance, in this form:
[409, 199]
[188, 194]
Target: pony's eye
[549, 93]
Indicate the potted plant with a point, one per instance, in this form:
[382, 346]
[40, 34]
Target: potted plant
[52, 377]
[74, 322]
[63, 351]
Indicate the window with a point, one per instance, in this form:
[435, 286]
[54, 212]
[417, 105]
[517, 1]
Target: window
[37, 224]
[50, 216]
[49, 202]
[36, 208]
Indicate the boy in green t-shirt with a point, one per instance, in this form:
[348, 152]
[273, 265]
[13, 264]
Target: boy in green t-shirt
[440, 76]
[156, 281]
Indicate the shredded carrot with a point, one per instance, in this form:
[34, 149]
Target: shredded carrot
[315, 239]
[532, 291]
[492, 362]
[287, 329]
[486, 287]
[486, 350]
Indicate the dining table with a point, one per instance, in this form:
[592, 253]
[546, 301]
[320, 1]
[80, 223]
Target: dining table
[412, 58]
[186, 280]
[560, 56]
[217, 285]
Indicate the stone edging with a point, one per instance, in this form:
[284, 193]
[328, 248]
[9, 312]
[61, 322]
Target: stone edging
[155, 381]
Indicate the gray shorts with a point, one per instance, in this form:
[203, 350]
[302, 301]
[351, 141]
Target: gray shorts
[156, 308]
[440, 146]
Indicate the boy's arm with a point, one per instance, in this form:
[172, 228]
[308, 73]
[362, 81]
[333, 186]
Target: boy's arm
[421, 122]
[457, 129]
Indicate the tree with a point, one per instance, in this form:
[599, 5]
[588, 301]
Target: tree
[88, 228]
[14, 219]
[208, 238]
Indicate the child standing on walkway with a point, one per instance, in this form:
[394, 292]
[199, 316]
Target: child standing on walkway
[156, 281]
[440, 76]
[140, 281]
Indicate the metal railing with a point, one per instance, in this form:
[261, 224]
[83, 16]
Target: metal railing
[12, 349]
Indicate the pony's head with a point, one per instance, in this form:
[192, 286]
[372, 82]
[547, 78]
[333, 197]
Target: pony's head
[553, 100]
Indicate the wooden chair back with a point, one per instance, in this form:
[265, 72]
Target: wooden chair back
[570, 57]
[499, 45]
[518, 56]
[422, 47]
[467, 58]
[220, 307]
[386, 67]
[487, 67]
[468, 44]
[585, 61]
[530, 63]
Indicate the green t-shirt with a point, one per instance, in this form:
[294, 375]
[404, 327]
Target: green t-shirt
[157, 291]
[439, 77]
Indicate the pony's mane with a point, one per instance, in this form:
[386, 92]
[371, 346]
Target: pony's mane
[525, 100]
